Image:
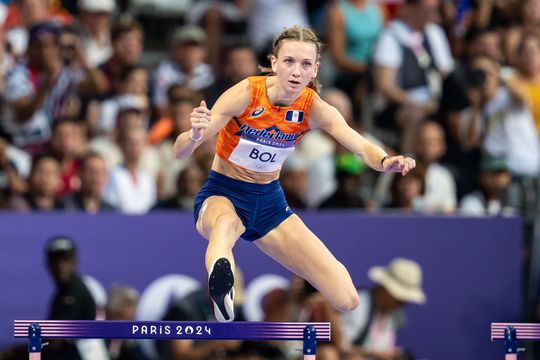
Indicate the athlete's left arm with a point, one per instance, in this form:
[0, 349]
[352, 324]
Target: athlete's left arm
[324, 116]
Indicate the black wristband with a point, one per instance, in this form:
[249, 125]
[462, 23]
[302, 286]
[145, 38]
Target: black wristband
[384, 158]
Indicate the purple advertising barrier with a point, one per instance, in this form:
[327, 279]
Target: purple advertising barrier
[471, 266]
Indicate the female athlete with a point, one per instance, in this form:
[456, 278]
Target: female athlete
[259, 121]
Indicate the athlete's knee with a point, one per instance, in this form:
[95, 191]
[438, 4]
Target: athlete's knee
[347, 301]
[227, 222]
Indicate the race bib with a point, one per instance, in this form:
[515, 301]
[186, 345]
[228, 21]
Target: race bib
[261, 155]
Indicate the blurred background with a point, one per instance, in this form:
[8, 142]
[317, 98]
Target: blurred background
[96, 215]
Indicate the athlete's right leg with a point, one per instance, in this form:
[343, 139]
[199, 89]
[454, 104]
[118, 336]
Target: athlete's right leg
[221, 226]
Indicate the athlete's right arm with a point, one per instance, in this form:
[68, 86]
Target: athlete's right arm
[206, 123]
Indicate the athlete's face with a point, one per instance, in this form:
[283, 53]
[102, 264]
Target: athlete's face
[295, 65]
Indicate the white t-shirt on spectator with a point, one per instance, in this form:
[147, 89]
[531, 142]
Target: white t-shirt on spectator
[382, 333]
[388, 51]
[509, 132]
[96, 54]
[474, 204]
[130, 194]
[111, 153]
[440, 192]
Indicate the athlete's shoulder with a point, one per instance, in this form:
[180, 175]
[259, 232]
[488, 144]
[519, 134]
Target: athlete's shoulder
[321, 112]
[235, 99]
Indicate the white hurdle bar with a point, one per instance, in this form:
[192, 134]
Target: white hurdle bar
[36, 330]
[511, 333]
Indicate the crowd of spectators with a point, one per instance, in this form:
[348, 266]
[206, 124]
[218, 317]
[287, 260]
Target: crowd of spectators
[84, 84]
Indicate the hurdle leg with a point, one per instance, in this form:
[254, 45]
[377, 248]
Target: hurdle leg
[510, 344]
[34, 342]
[310, 342]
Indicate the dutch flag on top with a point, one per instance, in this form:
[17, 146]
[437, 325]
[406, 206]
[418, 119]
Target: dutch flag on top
[294, 116]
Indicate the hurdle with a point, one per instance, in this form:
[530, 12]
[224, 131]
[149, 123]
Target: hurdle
[511, 333]
[36, 330]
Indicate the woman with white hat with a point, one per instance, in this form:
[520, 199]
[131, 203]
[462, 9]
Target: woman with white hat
[370, 330]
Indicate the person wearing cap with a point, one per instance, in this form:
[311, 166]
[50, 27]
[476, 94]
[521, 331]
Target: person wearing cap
[349, 169]
[370, 330]
[494, 180]
[72, 300]
[186, 65]
[95, 21]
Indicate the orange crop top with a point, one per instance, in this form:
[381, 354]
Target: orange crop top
[262, 137]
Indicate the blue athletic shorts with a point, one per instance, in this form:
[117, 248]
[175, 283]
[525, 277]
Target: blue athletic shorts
[261, 207]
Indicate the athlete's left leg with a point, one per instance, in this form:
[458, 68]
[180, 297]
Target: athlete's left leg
[294, 246]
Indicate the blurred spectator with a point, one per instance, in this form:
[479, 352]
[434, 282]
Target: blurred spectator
[319, 149]
[43, 182]
[464, 160]
[133, 87]
[93, 177]
[440, 188]
[38, 91]
[293, 180]
[490, 198]
[24, 14]
[7, 61]
[499, 121]
[185, 66]
[527, 80]
[411, 58]
[14, 166]
[121, 305]
[406, 191]
[268, 18]
[180, 102]
[225, 23]
[238, 62]
[127, 37]
[348, 174]
[529, 22]
[495, 14]
[95, 18]
[68, 143]
[479, 42]
[129, 188]
[30, 12]
[132, 112]
[370, 330]
[189, 182]
[72, 300]
[353, 28]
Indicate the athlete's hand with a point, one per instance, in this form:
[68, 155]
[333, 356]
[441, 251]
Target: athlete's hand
[399, 164]
[200, 119]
